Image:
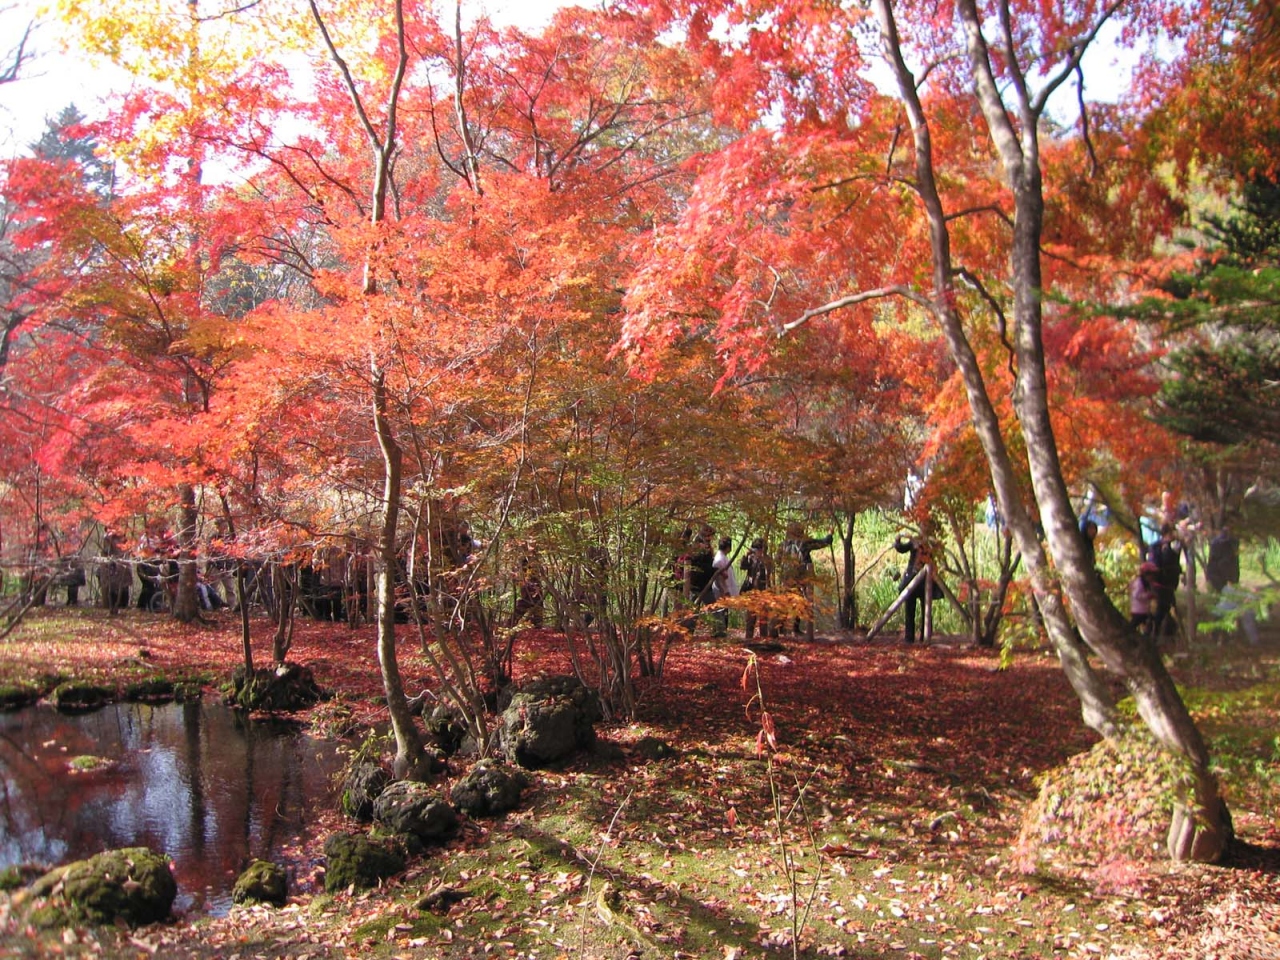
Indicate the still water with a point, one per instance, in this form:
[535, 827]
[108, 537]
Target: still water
[195, 781]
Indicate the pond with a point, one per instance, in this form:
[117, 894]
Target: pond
[196, 781]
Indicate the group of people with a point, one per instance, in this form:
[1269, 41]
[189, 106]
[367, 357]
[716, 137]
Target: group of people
[155, 559]
[1154, 589]
[709, 576]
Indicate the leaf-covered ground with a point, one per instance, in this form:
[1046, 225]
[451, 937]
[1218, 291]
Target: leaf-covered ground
[901, 778]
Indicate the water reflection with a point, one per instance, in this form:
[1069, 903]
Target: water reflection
[195, 781]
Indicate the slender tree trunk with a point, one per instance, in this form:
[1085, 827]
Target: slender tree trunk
[242, 601]
[186, 603]
[1201, 824]
[409, 759]
[849, 597]
[286, 591]
[1097, 704]
[409, 750]
[995, 609]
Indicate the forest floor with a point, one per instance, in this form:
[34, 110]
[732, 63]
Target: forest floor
[902, 777]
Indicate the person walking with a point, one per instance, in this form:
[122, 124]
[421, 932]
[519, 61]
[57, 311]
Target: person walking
[114, 575]
[529, 595]
[1223, 568]
[695, 572]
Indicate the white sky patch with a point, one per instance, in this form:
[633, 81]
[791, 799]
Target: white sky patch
[55, 78]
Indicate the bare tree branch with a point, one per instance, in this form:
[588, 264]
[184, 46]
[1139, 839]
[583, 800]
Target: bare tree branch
[880, 293]
[1084, 122]
[17, 57]
[1078, 50]
[1002, 322]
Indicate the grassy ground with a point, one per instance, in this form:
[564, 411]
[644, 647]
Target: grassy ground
[882, 825]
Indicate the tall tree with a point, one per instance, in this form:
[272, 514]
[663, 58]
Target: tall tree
[42, 346]
[973, 86]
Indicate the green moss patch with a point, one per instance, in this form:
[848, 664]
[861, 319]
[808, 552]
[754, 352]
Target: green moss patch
[72, 697]
[87, 763]
[15, 696]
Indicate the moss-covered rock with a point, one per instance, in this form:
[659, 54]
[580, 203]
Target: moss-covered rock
[73, 697]
[489, 789]
[262, 882]
[156, 690]
[132, 886]
[15, 696]
[548, 720]
[355, 860]
[416, 810]
[363, 781]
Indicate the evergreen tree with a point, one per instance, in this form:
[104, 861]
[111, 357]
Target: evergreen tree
[66, 138]
[1224, 386]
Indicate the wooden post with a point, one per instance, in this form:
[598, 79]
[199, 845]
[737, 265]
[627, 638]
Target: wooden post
[893, 607]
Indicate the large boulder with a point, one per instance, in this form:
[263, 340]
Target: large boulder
[353, 860]
[446, 728]
[262, 882]
[415, 810]
[549, 720]
[489, 789]
[132, 886]
[361, 786]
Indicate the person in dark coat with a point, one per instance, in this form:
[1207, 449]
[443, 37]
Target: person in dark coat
[695, 571]
[701, 568]
[916, 560]
[1166, 555]
[148, 582]
[757, 574]
[114, 575]
[1143, 596]
[529, 596]
[1090, 530]
[1223, 567]
[73, 576]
